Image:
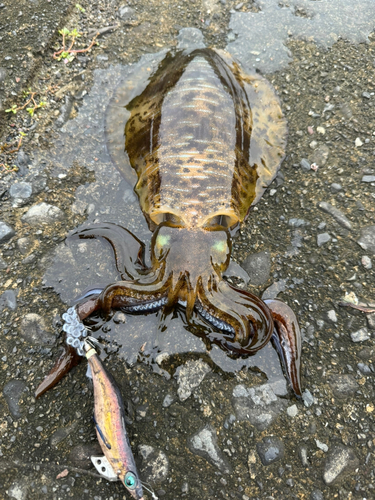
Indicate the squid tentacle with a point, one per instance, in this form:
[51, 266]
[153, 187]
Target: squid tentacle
[250, 318]
[128, 250]
[286, 339]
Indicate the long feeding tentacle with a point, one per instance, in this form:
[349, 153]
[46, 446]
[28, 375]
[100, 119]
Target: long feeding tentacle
[287, 341]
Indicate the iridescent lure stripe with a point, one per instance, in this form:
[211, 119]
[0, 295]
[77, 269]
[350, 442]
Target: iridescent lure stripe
[75, 330]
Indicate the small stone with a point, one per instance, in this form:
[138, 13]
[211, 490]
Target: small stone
[18, 490]
[313, 144]
[368, 178]
[204, 444]
[34, 331]
[358, 143]
[335, 187]
[365, 369]
[125, 12]
[3, 264]
[12, 393]
[340, 461]
[65, 111]
[292, 411]
[302, 452]
[332, 315]
[189, 376]
[8, 299]
[321, 446]
[305, 164]
[296, 222]
[321, 130]
[367, 239]
[239, 6]
[336, 214]
[366, 262]
[258, 267]
[366, 95]
[270, 450]
[322, 238]
[43, 214]
[119, 318]
[168, 400]
[343, 386]
[6, 232]
[360, 335]
[24, 245]
[308, 398]
[60, 434]
[20, 193]
[155, 464]
[320, 155]
[316, 495]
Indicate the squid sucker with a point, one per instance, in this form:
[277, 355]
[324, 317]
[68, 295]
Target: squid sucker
[201, 144]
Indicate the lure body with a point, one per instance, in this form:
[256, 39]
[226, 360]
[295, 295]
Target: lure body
[110, 425]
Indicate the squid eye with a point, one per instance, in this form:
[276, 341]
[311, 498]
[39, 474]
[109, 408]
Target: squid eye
[162, 240]
[130, 480]
[220, 246]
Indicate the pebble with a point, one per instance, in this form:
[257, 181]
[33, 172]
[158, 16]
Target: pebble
[34, 331]
[125, 12]
[360, 335]
[335, 187]
[313, 144]
[24, 245]
[3, 264]
[292, 411]
[340, 461]
[65, 111]
[8, 299]
[336, 214]
[343, 386]
[321, 446]
[316, 495]
[332, 315]
[155, 464]
[296, 222]
[368, 178]
[270, 450]
[43, 213]
[80, 455]
[308, 398]
[320, 155]
[305, 164]
[20, 193]
[12, 393]
[259, 405]
[204, 444]
[258, 267]
[168, 400]
[366, 262]
[322, 238]
[6, 232]
[365, 369]
[367, 239]
[60, 434]
[18, 490]
[189, 376]
[367, 95]
[302, 452]
[358, 143]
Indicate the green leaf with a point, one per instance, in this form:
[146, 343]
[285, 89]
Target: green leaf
[80, 8]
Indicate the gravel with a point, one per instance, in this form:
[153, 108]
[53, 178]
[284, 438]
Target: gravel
[34, 330]
[8, 299]
[322, 238]
[340, 461]
[343, 386]
[336, 214]
[43, 213]
[6, 232]
[12, 393]
[155, 464]
[360, 335]
[190, 376]
[367, 239]
[258, 267]
[204, 444]
[271, 449]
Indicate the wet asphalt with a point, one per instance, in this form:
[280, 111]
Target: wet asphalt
[201, 425]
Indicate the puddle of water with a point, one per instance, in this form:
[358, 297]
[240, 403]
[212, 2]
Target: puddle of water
[80, 264]
[258, 39]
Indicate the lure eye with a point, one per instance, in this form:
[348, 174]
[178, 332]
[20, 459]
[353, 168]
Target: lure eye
[130, 480]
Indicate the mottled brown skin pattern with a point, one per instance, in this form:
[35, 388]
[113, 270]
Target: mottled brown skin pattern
[205, 141]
